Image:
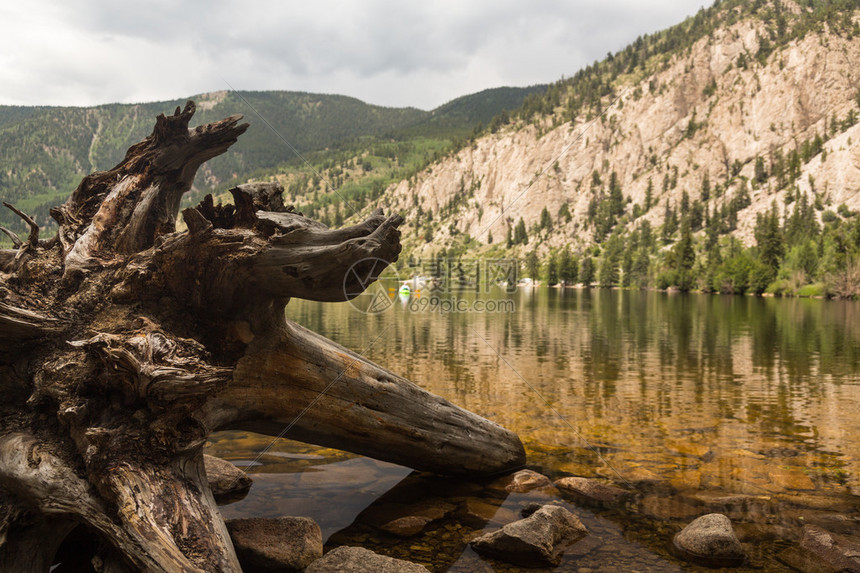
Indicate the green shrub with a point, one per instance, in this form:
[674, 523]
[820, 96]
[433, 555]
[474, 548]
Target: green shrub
[780, 287]
[816, 289]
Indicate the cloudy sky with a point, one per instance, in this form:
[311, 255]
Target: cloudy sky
[402, 53]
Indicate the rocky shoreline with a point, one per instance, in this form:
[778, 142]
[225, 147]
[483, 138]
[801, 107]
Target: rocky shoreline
[528, 521]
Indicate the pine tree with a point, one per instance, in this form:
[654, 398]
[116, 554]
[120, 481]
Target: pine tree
[640, 268]
[627, 268]
[771, 245]
[760, 171]
[532, 265]
[586, 273]
[610, 260]
[684, 257]
[552, 270]
[545, 220]
[649, 194]
[564, 213]
[567, 266]
[616, 198]
[521, 236]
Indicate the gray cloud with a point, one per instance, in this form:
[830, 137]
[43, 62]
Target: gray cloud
[391, 53]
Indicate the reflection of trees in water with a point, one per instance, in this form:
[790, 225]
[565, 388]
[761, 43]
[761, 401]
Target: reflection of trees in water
[644, 361]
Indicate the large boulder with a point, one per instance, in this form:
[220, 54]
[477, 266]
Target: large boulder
[360, 560]
[279, 544]
[710, 540]
[588, 491]
[821, 551]
[536, 541]
[227, 482]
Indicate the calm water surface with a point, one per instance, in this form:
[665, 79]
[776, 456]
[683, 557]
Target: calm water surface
[700, 403]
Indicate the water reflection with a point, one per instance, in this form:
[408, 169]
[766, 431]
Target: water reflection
[700, 395]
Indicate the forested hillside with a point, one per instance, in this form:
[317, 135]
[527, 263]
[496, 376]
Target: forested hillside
[719, 154]
[44, 151]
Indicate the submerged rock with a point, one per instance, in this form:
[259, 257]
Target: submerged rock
[280, 544]
[667, 508]
[539, 540]
[406, 526]
[228, 483]
[710, 540]
[821, 551]
[360, 560]
[592, 492]
[477, 513]
[525, 481]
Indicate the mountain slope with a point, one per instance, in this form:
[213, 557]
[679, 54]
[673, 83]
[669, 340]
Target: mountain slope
[44, 151]
[744, 107]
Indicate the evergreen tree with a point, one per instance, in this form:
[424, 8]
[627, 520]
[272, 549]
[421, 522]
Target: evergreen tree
[771, 246]
[649, 194]
[760, 175]
[586, 273]
[670, 223]
[552, 270]
[564, 213]
[545, 220]
[521, 236]
[610, 260]
[532, 265]
[627, 268]
[509, 240]
[616, 198]
[567, 266]
[684, 258]
[696, 216]
[640, 268]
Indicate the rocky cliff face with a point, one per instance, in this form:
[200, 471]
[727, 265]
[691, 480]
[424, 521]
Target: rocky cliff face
[706, 112]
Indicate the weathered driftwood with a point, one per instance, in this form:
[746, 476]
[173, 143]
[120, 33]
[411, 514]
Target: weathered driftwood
[126, 343]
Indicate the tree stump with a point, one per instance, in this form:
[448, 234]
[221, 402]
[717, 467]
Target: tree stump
[126, 343]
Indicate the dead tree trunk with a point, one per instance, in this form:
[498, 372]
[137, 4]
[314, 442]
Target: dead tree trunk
[125, 343]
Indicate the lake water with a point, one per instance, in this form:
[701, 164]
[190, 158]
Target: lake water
[699, 403]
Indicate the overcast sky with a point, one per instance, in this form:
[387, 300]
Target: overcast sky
[395, 53]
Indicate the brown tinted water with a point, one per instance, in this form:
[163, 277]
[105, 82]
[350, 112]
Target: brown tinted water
[700, 403]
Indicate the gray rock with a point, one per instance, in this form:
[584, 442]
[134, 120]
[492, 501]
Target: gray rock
[280, 544]
[592, 492]
[821, 551]
[360, 560]
[710, 540]
[539, 540]
[228, 483]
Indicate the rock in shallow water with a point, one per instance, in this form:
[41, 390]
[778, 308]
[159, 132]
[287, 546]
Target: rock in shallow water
[526, 480]
[710, 540]
[536, 541]
[821, 551]
[280, 544]
[228, 483]
[360, 560]
[406, 526]
[592, 492]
